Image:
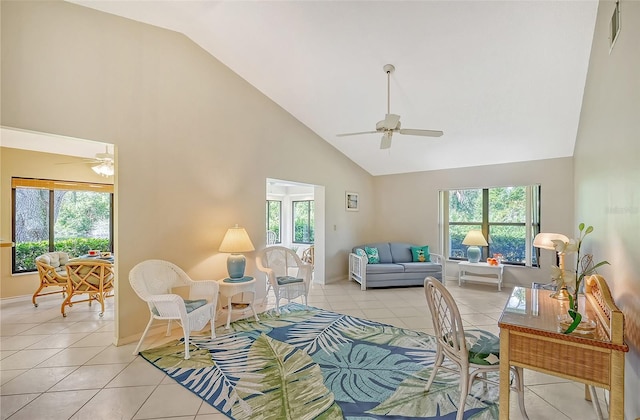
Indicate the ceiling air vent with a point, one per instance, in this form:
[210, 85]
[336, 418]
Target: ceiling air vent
[614, 26]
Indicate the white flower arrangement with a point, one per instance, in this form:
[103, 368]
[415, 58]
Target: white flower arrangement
[573, 278]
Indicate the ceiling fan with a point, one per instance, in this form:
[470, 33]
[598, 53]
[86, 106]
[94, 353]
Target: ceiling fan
[391, 122]
[102, 164]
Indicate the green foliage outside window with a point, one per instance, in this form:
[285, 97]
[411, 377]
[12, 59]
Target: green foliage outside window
[27, 252]
[303, 222]
[274, 215]
[498, 212]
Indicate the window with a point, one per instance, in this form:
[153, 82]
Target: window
[274, 216]
[508, 216]
[303, 222]
[72, 217]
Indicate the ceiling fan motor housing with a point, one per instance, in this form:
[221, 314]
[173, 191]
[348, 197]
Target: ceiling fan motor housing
[390, 122]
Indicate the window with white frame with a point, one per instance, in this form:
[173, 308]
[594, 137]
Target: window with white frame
[509, 218]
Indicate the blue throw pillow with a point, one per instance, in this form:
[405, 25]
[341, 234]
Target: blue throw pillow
[360, 252]
[420, 253]
[372, 255]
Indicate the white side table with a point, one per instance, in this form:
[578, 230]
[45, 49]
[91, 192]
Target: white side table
[480, 272]
[229, 289]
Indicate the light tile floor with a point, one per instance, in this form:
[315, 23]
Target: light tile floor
[66, 368]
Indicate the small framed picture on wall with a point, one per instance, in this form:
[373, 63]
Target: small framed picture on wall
[351, 201]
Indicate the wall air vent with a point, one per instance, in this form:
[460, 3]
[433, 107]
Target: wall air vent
[614, 26]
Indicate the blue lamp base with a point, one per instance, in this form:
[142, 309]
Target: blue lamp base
[473, 254]
[235, 265]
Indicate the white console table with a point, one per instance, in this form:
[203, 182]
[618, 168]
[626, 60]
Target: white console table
[480, 272]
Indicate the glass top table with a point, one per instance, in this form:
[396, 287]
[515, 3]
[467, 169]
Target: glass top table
[532, 337]
[534, 309]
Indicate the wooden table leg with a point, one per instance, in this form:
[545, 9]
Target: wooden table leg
[505, 374]
[616, 395]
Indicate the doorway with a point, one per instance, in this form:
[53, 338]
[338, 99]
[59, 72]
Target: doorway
[294, 218]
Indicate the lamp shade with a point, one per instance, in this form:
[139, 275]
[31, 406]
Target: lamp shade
[475, 238]
[545, 240]
[236, 240]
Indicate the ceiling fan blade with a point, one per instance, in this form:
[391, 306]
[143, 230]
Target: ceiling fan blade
[426, 133]
[355, 134]
[88, 161]
[385, 143]
[104, 156]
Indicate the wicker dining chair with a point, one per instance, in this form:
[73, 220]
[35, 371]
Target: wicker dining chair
[52, 273]
[474, 358]
[91, 277]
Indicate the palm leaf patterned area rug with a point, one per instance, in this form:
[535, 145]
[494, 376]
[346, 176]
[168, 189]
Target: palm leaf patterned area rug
[316, 364]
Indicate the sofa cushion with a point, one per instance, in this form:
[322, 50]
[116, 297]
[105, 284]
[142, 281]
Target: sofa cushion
[400, 252]
[384, 252]
[360, 252]
[372, 255]
[384, 268]
[419, 267]
[420, 253]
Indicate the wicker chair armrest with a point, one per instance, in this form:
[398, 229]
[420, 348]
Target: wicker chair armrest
[170, 306]
[204, 289]
[271, 275]
[305, 271]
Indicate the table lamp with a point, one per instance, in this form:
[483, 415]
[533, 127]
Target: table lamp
[544, 240]
[235, 241]
[474, 239]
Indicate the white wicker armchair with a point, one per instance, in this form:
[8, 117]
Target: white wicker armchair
[289, 277]
[153, 281]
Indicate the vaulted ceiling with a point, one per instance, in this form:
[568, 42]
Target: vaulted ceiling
[504, 80]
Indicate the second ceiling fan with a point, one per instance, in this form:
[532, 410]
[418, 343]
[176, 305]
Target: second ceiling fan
[391, 122]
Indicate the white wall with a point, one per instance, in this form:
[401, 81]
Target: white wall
[407, 205]
[194, 141]
[607, 172]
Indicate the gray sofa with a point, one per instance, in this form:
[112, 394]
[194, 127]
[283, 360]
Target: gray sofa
[396, 266]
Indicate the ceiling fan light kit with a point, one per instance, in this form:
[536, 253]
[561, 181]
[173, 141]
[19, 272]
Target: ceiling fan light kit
[102, 164]
[104, 169]
[391, 122]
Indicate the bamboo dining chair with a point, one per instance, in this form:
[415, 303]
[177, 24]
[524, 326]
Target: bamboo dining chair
[475, 352]
[91, 277]
[52, 272]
